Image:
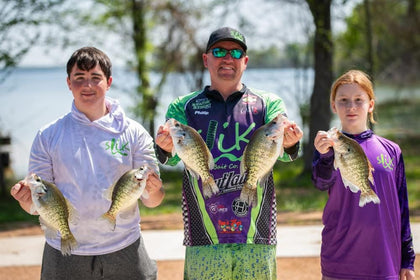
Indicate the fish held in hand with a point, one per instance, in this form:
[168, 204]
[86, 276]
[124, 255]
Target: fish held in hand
[260, 155]
[355, 168]
[192, 150]
[125, 192]
[54, 211]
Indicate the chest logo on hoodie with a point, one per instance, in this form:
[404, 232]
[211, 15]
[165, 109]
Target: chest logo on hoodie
[117, 147]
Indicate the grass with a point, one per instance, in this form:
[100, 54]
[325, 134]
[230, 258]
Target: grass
[295, 192]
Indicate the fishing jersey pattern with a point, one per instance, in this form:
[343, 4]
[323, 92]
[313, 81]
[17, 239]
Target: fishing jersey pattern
[226, 127]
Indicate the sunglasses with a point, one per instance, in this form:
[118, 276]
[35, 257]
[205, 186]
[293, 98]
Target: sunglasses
[221, 52]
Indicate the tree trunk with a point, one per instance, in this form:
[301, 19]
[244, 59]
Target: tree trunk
[320, 112]
[148, 102]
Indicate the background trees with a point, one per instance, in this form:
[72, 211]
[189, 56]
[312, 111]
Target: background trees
[380, 37]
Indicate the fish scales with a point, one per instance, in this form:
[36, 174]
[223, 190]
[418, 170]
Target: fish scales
[260, 155]
[125, 192]
[193, 151]
[54, 211]
[355, 168]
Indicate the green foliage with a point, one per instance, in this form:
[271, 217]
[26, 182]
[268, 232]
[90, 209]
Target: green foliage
[395, 41]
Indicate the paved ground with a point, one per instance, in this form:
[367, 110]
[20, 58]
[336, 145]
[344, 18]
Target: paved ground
[166, 245]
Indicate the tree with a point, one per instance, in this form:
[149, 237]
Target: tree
[392, 35]
[20, 22]
[320, 112]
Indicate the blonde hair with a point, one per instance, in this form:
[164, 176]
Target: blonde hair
[355, 77]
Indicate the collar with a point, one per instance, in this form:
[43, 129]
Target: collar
[364, 135]
[215, 94]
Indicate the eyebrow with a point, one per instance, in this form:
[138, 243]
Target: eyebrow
[84, 73]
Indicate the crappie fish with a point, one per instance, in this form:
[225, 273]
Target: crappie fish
[355, 168]
[54, 211]
[260, 155]
[192, 150]
[125, 193]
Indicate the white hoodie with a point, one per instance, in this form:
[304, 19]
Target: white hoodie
[85, 158]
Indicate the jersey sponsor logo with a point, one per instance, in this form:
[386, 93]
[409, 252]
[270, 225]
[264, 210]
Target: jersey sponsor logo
[200, 104]
[230, 182]
[249, 99]
[117, 147]
[230, 226]
[239, 207]
[217, 208]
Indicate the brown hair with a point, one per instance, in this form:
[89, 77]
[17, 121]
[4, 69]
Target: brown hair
[356, 77]
[87, 58]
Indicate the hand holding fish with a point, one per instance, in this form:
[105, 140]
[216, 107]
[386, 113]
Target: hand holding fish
[322, 142]
[155, 190]
[22, 193]
[292, 134]
[164, 139]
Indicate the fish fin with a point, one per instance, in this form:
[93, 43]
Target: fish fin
[68, 244]
[335, 164]
[242, 166]
[249, 195]
[129, 211]
[49, 231]
[371, 170]
[73, 214]
[145, 194]
[352, 186]
[281, 150]
[112, 220]
[368, 196]
[211, 160]
[173, 152]
[209, 188]
[107, 194]
[32, 211]
[264, 178]
[194, 174]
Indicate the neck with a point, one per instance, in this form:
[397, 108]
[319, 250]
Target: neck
[227, 90]
[93, 114]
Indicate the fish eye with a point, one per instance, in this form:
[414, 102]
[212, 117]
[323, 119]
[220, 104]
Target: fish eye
[177, 125]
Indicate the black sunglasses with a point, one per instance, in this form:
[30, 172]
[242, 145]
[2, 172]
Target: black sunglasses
[221, 52]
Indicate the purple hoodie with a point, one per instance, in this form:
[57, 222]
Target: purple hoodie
[370, 242]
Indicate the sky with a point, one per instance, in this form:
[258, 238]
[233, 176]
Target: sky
[274, 23]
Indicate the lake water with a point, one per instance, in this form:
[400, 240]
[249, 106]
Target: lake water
[31, 98]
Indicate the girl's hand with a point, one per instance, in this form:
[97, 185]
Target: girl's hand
[322, 142]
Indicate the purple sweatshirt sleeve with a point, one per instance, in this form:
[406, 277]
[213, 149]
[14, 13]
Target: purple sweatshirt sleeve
[323, 173]
[407, 251]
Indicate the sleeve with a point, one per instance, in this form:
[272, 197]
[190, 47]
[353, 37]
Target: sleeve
[275, 106]
[40, 161]
[144, 152]
[407, 251]
[175, 111]
[323, 173]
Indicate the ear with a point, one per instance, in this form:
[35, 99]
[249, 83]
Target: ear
[371, 105]
[204, 56]
[68, 83]
[109, 82]
[333, 108]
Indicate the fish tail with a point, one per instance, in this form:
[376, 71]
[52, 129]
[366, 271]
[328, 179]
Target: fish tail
[67, 244]
[249, 195]
[209, 187]
[368, 196]
[111, 219]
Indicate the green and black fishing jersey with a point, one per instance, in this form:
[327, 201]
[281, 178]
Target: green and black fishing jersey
[227, 127]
